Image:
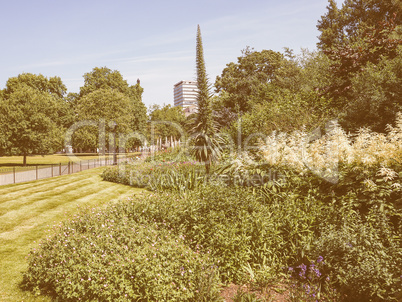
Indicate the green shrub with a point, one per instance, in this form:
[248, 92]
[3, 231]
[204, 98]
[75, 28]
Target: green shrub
[180, 176]
[242, 296]
[253, 232]
[310, 281]
[243, 232]
[363, 258]
[107, 256]
[113, 174]
[170, 155]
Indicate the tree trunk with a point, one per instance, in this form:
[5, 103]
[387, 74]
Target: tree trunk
[24, 162]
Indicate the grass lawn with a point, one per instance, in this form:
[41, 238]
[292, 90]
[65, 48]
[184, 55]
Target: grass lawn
[27, 210]
[7, 163]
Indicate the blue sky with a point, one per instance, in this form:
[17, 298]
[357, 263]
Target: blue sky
[150, 40]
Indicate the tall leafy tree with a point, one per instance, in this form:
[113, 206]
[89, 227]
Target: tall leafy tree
[30, 122]
[349, 23]
[376, 96]
[102, 78]
[240, 81]
[205, 143]
[168, 121]
[3, 129]
[103, 105]
[361, 32]
[359, 35]
[52, 85]
[34, 115]
[106, 96]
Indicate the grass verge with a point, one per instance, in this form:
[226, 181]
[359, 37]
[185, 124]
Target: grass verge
[7, 163]
[27, 210]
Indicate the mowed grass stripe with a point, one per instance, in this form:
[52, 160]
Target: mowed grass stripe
[48, 201]
[17, 200]
[54, 206]
[9, 192]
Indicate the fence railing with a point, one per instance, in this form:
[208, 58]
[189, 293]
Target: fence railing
[12, 175]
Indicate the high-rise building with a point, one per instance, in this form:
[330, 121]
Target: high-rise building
[185, 94]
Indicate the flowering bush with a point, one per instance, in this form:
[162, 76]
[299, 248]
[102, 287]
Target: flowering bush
[311, 283]
[363, 256]
[322, 154]
[249, 237]
[106, 256]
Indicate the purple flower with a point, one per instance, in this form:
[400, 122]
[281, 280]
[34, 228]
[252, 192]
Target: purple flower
[320, 259]
[303, 268]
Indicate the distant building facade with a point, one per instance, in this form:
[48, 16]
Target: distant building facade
[185, 94]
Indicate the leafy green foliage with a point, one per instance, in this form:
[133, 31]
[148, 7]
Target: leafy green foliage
[236, 226]
[362, 40]
[363, 257]
[251, 234]
[310, 282]
[169, 155]
[52, 85]
[268, 91]
[376, 95]
[33, 115]
[107, 255]
[242, 296]
[242, 80]
[170, 176]
[348, 23]
[103, 78]
[30, 122]
[107, 97]
[106, 105]
[167, 121]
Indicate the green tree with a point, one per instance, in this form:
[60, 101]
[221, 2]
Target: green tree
[89, 104]
[347, 25]
[284, 99]
[102, 78]
[376, 96]
[110, 109]
[205, 143]
[21, 128]
[167, 121]
[3, 129]
[52, 85]
[362, 39]
[30, 122]
[240, 81]
[361, 32]
[138, 113]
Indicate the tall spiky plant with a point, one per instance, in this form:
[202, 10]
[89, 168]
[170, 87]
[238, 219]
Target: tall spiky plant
[205, 143]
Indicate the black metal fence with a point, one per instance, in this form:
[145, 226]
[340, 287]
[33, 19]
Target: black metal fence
[12, 175]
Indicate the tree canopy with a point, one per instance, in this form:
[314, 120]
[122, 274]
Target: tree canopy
[107, 98]
[167, 121]
[30, 122]
[361, 38]
[240, 81]
[34, 115]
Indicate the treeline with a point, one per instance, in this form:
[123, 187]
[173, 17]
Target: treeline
[355, 76]
[36, 113]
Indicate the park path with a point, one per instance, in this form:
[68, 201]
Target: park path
[42, 172]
